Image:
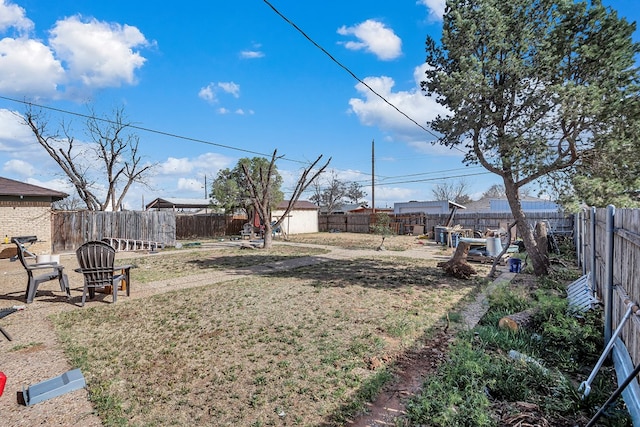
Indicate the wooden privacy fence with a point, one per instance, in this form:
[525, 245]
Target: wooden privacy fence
[608, 247]
[557, 222]
[70, 229]
[203, 226]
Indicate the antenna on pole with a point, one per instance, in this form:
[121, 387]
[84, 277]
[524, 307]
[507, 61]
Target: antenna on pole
[373, 178]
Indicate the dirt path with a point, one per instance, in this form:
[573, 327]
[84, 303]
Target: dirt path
[35, 355]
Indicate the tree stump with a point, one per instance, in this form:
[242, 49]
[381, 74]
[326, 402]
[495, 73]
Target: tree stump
[457, 266]
[517, 321]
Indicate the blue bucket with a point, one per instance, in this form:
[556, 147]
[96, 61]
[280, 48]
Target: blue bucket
[515, 265]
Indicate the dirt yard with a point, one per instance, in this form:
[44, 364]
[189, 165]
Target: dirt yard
[289, 306]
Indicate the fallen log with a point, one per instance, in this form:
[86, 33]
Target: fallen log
[517, 321]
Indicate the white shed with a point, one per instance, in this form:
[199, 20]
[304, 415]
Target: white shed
[303, 218]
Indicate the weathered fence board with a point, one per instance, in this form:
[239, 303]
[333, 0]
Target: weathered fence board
[357, 223]
[609, 242]
[72, 229]
[203, 226]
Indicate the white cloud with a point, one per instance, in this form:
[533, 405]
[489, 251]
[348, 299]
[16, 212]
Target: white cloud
[436, 8]
[207, 93]
[14, 136]
[205, 163]
[13, 16]
[231, 88]
[176, 166]
[374, 37]
[251, 54]
[100, 54]
[373, 111]
[18, 167]
[190, 184]
[81, 55]
[27, 67]
[223, 110]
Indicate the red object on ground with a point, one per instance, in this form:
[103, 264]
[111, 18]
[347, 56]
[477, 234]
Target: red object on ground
[3, 380]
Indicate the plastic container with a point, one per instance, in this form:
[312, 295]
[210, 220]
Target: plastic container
[3, 381]
[494, 246]
[515, 265]
[43, 258]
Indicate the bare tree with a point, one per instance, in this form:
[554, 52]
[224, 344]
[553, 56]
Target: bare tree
[454, 191]
[355, 193]
[260, 190]
[496, 191]
[101, 171]
[333, 193]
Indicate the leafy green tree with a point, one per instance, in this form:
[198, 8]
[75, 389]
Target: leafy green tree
[227, 193]
[532, 85]
[610, 172]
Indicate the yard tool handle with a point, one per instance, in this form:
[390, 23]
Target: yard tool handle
[614, 396]
[5, 333]
[3, 313]
[586, 385]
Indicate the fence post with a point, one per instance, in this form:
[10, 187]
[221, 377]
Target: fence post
[593, 249]
[608, 308]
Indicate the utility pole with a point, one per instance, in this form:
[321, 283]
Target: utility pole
[373, 177]
[205, 185]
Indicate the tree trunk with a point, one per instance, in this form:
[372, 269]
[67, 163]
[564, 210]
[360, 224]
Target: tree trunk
[542, 239]
[517, 321]
[268, 235]
[539, 261]
[457, 266]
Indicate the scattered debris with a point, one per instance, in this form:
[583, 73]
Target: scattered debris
[458, 266]
[65, 383]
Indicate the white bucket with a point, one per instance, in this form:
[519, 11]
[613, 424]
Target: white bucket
[55, 258]
[43, 258]
[494, 246]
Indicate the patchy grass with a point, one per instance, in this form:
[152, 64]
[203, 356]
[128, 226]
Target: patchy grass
[357, 240]
[185, 262]
[292, 348]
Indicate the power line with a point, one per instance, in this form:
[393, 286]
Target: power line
[344, 67]
[154, 131]
[431, 179]
[382, 184]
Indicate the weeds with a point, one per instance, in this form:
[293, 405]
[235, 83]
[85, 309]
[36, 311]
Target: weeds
[481, 385]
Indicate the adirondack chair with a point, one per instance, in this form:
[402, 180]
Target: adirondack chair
[96, 261]
[37, 272]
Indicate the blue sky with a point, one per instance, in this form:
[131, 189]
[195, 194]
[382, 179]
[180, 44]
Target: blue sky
[234, 74]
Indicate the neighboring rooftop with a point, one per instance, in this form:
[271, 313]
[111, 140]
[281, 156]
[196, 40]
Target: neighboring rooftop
[299, 205]
[178, 203]
[12, 188]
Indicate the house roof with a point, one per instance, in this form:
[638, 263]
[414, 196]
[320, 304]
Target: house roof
[529, 204]
[178, 203]
[10, 187]
[299, 205]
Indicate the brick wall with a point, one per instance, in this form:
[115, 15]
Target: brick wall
[30, 219]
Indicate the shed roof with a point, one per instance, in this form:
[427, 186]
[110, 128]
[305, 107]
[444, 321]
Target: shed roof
[178, 203]
[299, 205]
[10, 187]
